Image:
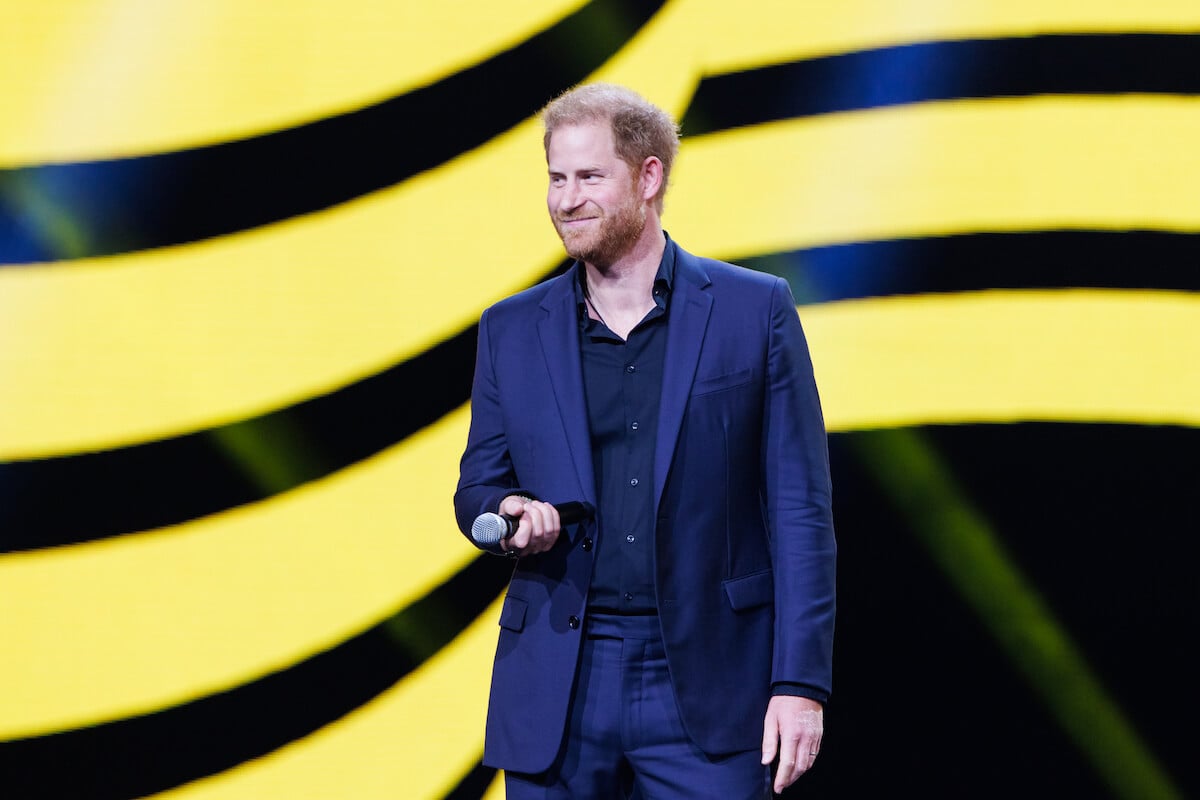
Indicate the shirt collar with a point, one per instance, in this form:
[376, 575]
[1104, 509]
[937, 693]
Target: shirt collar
[663, 281]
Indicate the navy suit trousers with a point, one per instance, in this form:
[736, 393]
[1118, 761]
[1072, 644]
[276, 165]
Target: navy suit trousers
[625, 738]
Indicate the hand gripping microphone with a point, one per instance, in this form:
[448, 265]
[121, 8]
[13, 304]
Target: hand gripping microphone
[489, 528]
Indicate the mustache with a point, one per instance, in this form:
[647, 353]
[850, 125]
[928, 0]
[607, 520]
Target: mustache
[574, 217]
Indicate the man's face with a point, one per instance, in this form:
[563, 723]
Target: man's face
[593, 198]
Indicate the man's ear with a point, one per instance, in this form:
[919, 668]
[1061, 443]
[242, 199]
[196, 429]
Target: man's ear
[651, 177]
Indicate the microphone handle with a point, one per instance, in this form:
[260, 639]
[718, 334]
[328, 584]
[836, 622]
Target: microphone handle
[574, 511]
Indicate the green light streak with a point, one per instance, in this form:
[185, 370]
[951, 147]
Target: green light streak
[54, 226]
[271, 451]
[963, 545]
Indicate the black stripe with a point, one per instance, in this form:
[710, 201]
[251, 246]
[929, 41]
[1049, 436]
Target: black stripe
[474, 784]
[129, 204]
[1026, 260]
[1096, 516]
[142, 755]
[159, 483]
[1156, 63]
[77, 498]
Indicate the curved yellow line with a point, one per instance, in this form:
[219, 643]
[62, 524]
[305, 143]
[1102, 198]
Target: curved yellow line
[240, 578]
[187, 338]
[1005, 356]
[162, 617]
[134, 77]
[109, 79]
[1036, 163]
[991, 356]
[744, 36]
[417, 740]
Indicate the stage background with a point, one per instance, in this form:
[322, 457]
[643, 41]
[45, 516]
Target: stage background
[244, 247]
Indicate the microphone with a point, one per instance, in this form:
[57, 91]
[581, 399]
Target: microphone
[489, 528]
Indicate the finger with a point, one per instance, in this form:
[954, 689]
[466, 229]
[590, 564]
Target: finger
[770, 740]
[549, 517]
[521, 536]
[535, 512]
[513, 505]
[544, 525]
[794, 759]
[786, 775]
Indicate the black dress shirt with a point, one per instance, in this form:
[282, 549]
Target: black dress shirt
[623, 384]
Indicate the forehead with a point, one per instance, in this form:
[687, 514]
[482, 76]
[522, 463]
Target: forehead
[572, 146]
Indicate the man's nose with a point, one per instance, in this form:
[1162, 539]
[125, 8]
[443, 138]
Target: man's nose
[570, 198]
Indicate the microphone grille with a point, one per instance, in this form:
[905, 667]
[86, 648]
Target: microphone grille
[488, 529]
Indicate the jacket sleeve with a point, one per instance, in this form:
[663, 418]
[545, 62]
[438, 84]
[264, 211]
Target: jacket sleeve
[486, 473]
[799, 506]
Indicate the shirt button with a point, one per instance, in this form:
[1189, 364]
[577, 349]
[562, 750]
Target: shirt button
[573, 622]
[634, 426]
[629, 537]
[633, 482]
[628, 596]
[630, 368]
[587, 543]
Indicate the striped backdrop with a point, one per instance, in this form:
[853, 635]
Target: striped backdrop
[243, 249]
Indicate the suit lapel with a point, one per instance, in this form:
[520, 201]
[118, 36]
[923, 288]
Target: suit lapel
[690, 310]
[559, 333]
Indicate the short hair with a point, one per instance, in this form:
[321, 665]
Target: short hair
[640, 129]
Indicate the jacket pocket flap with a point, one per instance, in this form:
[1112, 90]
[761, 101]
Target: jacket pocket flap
[748, 591]
[715, 383]
[512, 615]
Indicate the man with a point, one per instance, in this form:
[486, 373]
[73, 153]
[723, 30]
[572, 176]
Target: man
[679, 642]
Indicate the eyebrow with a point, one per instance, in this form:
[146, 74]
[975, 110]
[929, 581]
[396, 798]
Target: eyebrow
[592, 169]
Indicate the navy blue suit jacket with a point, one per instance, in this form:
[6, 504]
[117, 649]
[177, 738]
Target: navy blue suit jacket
[744, 542]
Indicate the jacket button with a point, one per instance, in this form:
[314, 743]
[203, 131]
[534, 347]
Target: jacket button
[587, 543]
[573, 622]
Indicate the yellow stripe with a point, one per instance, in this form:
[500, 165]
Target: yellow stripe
[168, 616]
[416, 741]
[495, 790]
[186, 338]
[1001, 356]
[941, 168]
[246, 577]
[120, 78]
[109, 78]
[989, 356]
[746, 35]
[189, 337]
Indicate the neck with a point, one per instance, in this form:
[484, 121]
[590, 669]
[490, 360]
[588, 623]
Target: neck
[621, 295]
[631, 275]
